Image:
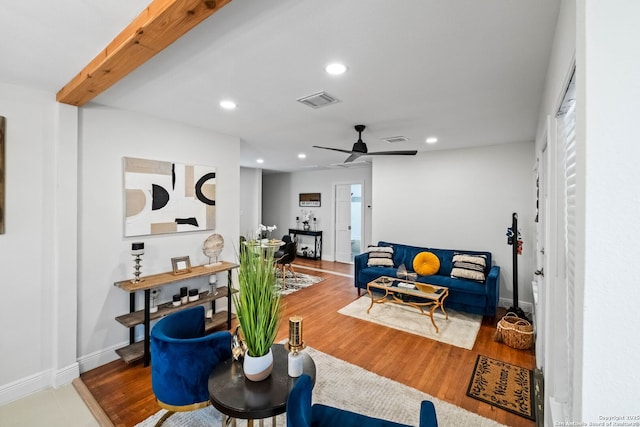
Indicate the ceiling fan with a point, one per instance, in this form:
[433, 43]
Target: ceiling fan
[360, 149]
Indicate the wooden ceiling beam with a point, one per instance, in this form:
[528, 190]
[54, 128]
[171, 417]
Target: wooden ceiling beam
[159, 25]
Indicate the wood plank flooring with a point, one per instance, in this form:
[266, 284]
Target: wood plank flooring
[443, 371]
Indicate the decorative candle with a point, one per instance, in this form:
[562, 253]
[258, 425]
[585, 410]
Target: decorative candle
[176, 300]
[193, 295]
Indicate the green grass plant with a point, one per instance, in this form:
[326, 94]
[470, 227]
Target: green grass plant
[257, 301]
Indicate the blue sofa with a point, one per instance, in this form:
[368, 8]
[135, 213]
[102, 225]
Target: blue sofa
[464, 295]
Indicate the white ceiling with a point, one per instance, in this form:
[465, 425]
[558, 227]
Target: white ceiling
[468, 71]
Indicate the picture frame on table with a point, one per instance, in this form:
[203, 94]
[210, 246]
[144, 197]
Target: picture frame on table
[181, 264]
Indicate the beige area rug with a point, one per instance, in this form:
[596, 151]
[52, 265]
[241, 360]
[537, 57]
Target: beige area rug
[292, 285]
[461, 329]
[350, 387]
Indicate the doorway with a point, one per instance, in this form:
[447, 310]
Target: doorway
[348, 220]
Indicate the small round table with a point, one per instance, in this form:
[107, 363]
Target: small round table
[237, 397]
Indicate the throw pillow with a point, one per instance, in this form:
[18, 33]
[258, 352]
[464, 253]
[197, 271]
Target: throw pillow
[467, 266]
[426, 263]
[387, 249]
[380, 256]
[380, 262]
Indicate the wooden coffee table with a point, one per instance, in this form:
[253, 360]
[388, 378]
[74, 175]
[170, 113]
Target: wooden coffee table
[399, 291]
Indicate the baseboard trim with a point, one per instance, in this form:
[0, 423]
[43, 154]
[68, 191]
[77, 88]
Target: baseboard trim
[526, 306]
[100, 357]
[66, 375]
[37, 382]
[25, 387]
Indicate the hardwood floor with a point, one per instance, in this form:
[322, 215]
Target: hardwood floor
[443, 371]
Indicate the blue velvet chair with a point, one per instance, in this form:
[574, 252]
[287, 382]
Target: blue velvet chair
[300, 412]
[182, 357]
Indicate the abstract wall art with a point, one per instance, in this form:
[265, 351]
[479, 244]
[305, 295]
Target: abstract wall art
[165, 197]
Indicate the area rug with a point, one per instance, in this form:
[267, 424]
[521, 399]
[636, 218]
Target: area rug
[350, 387]
[460, 330]
[503, 385]
[291, 285]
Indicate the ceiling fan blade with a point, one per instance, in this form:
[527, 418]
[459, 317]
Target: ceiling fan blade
[334, 149]
[353, 156]
[394, 153]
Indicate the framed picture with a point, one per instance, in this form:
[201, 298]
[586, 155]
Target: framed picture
[181, 265]
[310, 200]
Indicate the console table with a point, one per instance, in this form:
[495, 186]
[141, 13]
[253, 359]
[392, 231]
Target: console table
[140, 350]
[317, 241]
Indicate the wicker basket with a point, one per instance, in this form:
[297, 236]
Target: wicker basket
[514, 332]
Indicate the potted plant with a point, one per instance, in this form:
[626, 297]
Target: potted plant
[257, 304]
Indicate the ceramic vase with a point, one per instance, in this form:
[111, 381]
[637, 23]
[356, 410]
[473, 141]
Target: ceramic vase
[257, 368]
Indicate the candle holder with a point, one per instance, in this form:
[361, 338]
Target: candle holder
[295, 342]
[295, 345]
[213, 281]
[137, 250]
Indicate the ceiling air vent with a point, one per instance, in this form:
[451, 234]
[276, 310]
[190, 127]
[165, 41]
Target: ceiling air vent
[317, 100]
[394, 139]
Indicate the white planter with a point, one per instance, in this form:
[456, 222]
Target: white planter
[257, 368]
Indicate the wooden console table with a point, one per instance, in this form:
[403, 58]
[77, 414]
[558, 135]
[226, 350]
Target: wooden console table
[317, 241]
[140, 350]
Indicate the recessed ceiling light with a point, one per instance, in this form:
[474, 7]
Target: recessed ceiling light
[431, 140]
[302, 156]
[335, 69]
[228, 105]
[260, 161]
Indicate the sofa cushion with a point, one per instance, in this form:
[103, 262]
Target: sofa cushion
[380, 256]
[468, 266]
[426, 263]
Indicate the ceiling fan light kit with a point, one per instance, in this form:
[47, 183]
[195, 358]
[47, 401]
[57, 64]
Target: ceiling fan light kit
[360, 148]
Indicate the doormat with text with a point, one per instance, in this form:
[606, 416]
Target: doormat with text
[503, 385]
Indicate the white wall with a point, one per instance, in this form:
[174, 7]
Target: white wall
[280, 201]
[461, 199]
[108, 135]
[37, 268]
[608, 70]
[250, 199]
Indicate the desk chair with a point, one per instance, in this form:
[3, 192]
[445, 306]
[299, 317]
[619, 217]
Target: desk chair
[284, 262]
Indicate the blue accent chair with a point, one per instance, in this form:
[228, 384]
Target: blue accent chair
[182, 357]
[300, 412]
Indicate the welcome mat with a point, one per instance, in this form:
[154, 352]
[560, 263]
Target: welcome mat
[291, 285]
[461, 329]
[503, 385]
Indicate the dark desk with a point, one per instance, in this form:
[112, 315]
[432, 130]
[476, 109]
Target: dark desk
[234, 395]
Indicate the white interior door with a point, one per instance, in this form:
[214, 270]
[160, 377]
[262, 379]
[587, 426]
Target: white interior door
[343, 223]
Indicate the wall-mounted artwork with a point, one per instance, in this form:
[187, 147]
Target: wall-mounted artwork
[310, 200]
[165, 197]
[2, 133]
